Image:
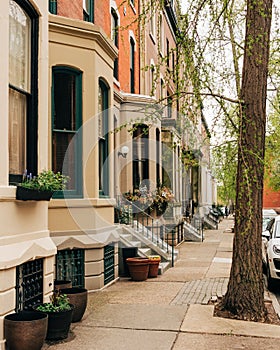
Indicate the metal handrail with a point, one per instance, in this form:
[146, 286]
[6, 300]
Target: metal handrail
[146, 224]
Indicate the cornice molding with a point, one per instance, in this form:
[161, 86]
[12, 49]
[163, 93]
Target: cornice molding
[82, 29]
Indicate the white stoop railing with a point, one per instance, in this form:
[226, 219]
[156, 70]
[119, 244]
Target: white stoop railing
[150, 232]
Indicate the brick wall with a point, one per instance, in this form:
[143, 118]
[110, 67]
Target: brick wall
[70, 8]
[271, 199]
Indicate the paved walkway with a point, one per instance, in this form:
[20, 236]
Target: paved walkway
[201, 291]
[169, 312]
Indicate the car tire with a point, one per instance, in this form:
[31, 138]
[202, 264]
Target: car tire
[271, 283]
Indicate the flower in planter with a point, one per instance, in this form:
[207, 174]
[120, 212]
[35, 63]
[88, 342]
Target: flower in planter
[60, 313]
[47, 180]
[161, 198]
[58, 302]
[40, 187]
[142, 198]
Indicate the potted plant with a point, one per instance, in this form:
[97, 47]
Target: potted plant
[42, 186]
[25, 330]
[161, 198]
[59, 311]
[78, 297]
[153, 266]
[141, 199]
[138, 268]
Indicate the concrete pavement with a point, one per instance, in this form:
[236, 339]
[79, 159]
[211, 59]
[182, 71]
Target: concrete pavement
[171, 311]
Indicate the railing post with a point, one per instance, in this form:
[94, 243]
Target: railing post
[161, 236]
[202, 224]
[172, 249]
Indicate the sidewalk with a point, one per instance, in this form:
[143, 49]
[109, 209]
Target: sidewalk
[171, 311]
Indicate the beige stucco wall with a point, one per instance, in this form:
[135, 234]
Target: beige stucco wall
[88, 222]
[23, 224]
[84, 46]
[24, 231]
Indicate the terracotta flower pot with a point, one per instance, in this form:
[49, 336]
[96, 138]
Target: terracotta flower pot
[25, 330]
[153, 265]
[78, 297]
[138, 268]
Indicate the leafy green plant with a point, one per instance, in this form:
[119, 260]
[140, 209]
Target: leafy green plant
[58, 302]
[47, 180]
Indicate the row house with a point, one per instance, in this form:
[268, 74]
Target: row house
[87, 89]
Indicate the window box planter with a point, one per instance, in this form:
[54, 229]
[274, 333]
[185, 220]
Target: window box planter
[28, 194]
[40, 187]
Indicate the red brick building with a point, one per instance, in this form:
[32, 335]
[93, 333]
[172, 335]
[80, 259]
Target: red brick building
[271, 199]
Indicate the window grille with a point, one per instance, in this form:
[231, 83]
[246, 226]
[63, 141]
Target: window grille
[70, 266]
[29, 284]
[109, 263]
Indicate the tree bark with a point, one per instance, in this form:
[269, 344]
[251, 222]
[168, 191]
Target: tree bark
[245, 294]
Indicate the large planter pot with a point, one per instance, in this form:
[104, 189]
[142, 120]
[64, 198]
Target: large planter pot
[77, 297]
[59, 324]
[28, 194]
[138, 268]
[25, 330]
[60, 284]
[153, 265]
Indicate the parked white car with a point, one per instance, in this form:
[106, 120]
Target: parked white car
[267, 215]
[271, 251]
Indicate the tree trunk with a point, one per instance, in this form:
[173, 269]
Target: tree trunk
[245, 294]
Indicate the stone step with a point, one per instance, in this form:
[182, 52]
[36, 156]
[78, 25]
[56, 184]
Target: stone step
[145, 251]
[136, 244]
[126, 236]
[163, 266]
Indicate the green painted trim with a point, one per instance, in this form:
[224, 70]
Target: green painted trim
[53, 6]
[89, 17]
[104, 192]
[78, 191]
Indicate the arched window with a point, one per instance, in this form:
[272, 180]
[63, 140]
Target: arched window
[158, 157]
[88, 10]
[152, 19]
[132, 65]
[115, 38]
[23, 89]
[66, 122]
[152, 80]
[140, 154]
[169, 105]
[53, 6]
[103, 143]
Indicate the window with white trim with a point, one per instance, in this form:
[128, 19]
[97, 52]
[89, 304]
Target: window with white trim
[115, 38]
[88, 10]
[132, 65]
[23, 89]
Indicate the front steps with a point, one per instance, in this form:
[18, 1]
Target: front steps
[145, 243]
[191, 233]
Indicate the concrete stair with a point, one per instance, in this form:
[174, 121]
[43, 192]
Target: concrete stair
[146, 245]
[209, 223]
[191, 233]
